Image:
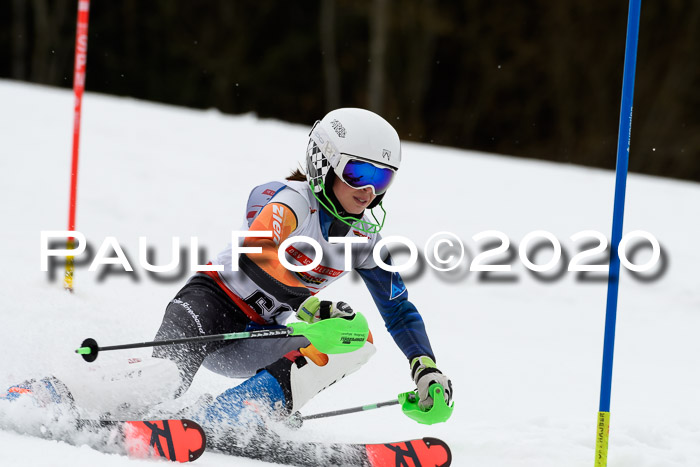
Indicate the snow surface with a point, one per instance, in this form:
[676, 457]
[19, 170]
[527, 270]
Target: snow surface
[524, 355]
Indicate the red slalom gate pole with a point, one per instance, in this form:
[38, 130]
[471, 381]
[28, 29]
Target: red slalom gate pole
[79, 71]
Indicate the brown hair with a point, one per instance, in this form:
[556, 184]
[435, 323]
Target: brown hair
[297, 176]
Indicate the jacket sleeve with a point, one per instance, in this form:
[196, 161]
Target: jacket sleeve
[401, 317]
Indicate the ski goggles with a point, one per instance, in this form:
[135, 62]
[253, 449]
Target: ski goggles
[359, 173]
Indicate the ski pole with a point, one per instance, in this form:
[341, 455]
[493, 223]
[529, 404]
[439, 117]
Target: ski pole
[408, 401]
[362, 408]
[331, 336]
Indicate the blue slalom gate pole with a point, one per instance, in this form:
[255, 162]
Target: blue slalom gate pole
[623, 149]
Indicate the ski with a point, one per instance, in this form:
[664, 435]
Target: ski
[46, 409]
[425, 452]
[177, 440]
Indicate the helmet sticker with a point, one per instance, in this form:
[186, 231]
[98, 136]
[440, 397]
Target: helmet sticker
[339, 128]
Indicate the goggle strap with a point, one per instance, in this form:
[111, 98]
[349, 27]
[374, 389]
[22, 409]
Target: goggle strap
[325, 144]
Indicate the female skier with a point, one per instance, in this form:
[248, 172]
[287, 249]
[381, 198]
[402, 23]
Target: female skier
[351, 160]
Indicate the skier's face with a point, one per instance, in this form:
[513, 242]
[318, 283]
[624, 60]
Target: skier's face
[353, 200]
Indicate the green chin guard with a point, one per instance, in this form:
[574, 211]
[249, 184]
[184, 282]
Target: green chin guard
[359, 224]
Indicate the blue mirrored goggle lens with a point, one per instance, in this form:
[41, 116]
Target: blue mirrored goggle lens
[359, 174]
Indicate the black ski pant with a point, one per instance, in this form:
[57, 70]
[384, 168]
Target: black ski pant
[201, 308]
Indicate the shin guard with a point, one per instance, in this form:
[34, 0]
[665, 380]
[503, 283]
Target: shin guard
[305, 372]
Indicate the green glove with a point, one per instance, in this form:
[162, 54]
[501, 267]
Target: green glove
[313, 310]
[425, 374]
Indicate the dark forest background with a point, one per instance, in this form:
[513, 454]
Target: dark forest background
[532, 78]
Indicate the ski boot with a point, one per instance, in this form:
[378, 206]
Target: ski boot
[46, 392]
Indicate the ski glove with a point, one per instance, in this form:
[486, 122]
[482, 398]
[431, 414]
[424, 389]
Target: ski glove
[425, 374]
[313, 310]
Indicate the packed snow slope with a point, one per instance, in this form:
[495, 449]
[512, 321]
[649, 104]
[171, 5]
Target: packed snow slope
[524, 354]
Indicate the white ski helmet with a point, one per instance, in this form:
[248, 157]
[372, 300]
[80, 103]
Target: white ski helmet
[351, 134]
